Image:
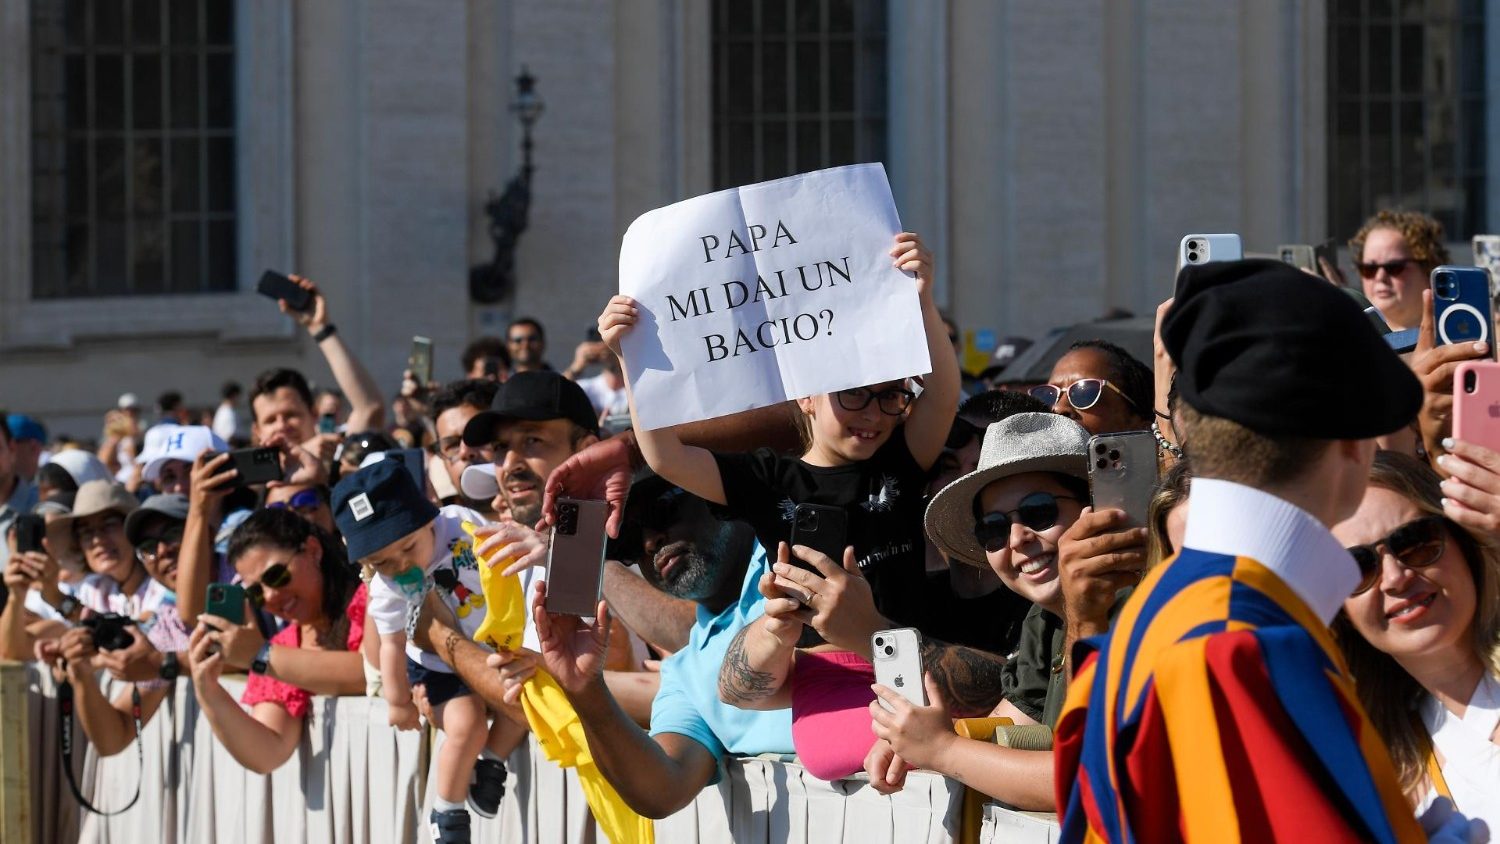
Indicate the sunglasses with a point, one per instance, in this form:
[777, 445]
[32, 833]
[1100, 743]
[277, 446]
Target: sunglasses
[962, 433]
[1416, 545]
[276, 576]
[1082, 394]
[893, 402]
[1391, 267]
[146, 550]
[1036, 512]
[307, 499]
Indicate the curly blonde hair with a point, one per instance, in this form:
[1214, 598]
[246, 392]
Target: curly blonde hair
[1423, 235]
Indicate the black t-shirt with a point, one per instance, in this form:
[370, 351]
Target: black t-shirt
[882, 497]
[989, 623]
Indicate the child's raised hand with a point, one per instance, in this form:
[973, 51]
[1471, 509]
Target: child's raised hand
[912, 257]
[619, 316]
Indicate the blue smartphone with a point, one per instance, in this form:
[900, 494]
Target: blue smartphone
[1461, 305]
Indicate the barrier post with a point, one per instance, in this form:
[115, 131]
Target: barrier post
[15, 767]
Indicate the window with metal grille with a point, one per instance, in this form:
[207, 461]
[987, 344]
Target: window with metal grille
[133, 147]
[1406, 118]
[798, 85]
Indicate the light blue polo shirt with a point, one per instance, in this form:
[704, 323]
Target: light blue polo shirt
[688, 702]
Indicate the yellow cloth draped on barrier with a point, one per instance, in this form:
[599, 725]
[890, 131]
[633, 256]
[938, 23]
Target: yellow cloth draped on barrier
[550, 714]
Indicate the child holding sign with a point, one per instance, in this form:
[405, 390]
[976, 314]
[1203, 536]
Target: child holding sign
[866, 450]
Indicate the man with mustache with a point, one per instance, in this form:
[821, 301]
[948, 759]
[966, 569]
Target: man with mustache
[687, 553]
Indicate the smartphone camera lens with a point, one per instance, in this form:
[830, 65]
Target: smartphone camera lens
[1114, 454]
[1469, 381]
[889, 650]
[807, 520]
[879, 641]
[1100, 448]
[1192, 257]
[1101, 463]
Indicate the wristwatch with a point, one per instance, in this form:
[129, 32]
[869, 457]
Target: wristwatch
[169, 667]
[68, 606]
[262, 662]
[325, 332]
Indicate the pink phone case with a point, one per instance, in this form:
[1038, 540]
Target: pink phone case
[1476, 403]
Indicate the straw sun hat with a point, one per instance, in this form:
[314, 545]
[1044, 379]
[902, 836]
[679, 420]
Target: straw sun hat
[1025, 442]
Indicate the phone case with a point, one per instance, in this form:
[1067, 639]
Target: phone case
[1461, 305]
[575, 562]
[1202, 248]
[1123, 474]
[898, 663]
[277, 286]
[255, 465]
[227, 601]
[420, 360]
[1476, 403]
[822, 528]
[30, 530]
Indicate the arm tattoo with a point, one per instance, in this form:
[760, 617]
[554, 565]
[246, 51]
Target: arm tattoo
[738, 679]
[968, 678]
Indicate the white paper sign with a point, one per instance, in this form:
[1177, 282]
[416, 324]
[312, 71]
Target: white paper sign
[759, 294]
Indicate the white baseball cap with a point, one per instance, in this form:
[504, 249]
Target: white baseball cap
[128, 401]
[479, 483]
[176, 442]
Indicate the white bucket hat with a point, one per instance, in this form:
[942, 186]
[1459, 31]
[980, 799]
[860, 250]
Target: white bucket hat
[1025, 442]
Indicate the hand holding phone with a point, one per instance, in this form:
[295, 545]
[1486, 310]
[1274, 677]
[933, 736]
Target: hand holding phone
[1476, 403]
[227, 601]
[30, 530]
[1123, 474]
[575, 560]
[255, 466]
[419, 362]
[277, 286]
[1202, 248]
[898, 663]
[822, 528]
[1461, 306]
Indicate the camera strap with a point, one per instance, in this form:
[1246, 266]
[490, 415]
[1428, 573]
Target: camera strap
[65, 745]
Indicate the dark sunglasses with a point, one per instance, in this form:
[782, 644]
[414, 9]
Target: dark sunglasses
[146, 549]
[1082, 394]
[307, 499]
[893, 402]
[276, 576]
[1416, 545]
[1391, 267]
[1036, 512]
[962, 433]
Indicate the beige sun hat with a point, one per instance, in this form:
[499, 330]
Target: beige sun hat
[93, 497]
[1025, 442]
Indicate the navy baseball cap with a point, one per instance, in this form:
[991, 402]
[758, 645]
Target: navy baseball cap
[378, 505]
[534, 396]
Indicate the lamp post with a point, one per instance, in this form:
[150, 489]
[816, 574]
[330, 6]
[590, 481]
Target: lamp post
[490, 283]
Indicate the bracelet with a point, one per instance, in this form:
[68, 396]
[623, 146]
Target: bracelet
[1164, 444]
[325, 332]
[1160, 415]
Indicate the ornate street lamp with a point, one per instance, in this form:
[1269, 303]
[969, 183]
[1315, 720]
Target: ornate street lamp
[489, 283]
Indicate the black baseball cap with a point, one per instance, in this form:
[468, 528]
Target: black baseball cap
[534, 396]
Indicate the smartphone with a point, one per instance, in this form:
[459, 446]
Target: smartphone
[277, 286]
[1299, 255]
[575, 562]
[1461, 305]
[227, 601]
[1203, 248]
[1403, 341]
[1377, 321]
[1123, 474]
[30, 529]
[1476, 403]
[1487, 252]
[420, 361]
[255, 466]
[822, 528]
[898, 663]
[328, 424]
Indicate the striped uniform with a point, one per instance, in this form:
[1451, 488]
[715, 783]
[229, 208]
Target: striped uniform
[1219, 708]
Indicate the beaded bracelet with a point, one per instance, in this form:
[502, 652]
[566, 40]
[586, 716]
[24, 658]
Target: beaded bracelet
[1163, 443]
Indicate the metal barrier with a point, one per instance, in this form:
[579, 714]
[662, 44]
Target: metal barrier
[353, 778]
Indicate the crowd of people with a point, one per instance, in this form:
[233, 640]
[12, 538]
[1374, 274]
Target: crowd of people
[1296, 638]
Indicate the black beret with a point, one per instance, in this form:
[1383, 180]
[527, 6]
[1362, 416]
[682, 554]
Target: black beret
[1268, 346]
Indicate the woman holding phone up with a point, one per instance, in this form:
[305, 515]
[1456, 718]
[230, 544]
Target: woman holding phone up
[1422, 631]
[299, 574]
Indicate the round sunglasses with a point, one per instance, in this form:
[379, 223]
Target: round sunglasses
[276, 576]
[1416, 545]
[1037, 512]
[1082, 394]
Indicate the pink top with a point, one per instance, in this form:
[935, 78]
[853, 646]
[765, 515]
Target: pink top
[260, 688]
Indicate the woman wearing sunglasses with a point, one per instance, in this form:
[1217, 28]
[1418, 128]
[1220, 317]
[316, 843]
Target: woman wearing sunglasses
[299, 574]
[1422, 637]
[1009, 515]
[1395, 252]
[1101, 387]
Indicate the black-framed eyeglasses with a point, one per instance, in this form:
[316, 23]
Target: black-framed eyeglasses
[1395, 267]
[1416, 545]
[1037, 512]
[893, 401]
[961, 433]
[148, 549]
[276, 576]
[1082, 394]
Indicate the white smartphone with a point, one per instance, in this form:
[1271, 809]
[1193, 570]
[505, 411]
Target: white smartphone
[1202, 248]
[898, 663]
